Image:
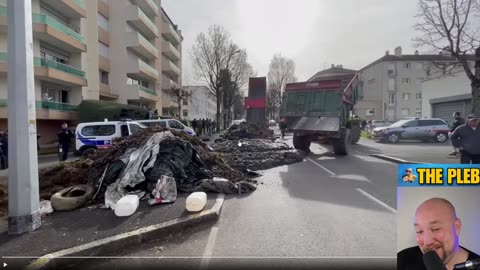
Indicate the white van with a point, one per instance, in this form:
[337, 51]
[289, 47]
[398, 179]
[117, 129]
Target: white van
[168, 123]
[100, 134]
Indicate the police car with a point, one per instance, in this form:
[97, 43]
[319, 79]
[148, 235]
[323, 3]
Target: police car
[100, 134]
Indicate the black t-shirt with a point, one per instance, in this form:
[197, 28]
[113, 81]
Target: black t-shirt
[412, 258]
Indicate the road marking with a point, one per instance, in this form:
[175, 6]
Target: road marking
[371, 197]
[321, 166]
[207, 253]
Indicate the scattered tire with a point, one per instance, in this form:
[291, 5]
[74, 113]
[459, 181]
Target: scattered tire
[341, 146]
[71, 198]
[301, 142]
[441, 137]
[355, 134]
[393, 138]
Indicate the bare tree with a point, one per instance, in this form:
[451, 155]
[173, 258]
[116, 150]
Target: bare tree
[281, 72]
[212, 53]
[448, 26]
[180, 95]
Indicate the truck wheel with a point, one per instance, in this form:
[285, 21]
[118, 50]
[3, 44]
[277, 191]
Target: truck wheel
[301, 142]
[341, 145]
[356, 133]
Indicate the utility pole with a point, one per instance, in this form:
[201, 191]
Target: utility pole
[23, 191]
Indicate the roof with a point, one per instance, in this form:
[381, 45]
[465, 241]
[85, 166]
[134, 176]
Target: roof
[331, 72]
[417, 57]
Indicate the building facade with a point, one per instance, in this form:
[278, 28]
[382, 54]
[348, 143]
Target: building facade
[391, 87]
[201, 105]
[114, 50]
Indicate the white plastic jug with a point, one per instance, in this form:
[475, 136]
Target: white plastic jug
[196, 201]
[127, 205]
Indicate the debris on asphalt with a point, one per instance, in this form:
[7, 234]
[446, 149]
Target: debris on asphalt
[71, 198]
[165, 191]
[196, 201]
[127, 205]
[45, 207]
[247, 130]
[257, 154]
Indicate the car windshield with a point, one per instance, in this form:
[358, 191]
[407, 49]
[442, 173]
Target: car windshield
[400, 123]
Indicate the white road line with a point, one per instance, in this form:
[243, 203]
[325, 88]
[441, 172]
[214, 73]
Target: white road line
[321, 166]
[371, 197]
[207, 253]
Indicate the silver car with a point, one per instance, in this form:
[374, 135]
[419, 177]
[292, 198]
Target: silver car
[413, 129]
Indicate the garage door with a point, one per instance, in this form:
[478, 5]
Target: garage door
[445, 110]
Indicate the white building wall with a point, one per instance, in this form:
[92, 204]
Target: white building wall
[442, 87]
[202, 104]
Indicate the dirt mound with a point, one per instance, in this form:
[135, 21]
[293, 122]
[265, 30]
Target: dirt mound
[247, 130]
[257, 154]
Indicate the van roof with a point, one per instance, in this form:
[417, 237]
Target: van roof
[104, 123]
[156, 120]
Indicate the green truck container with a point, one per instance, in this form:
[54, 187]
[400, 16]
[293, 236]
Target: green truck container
[322, 111]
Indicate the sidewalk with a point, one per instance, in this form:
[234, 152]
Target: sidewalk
[64, 230]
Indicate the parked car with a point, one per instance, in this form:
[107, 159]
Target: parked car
[413, 129]
[100, 134]
[379, 123]
[272, 123]
[169, 123]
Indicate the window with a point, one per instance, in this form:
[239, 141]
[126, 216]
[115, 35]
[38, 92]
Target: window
[103, 22]
[103, 50]
[406, 96]
[54, 55]
[56, 94]
[406, 65]
[418, 83]
[185, 102]
[391, 99]
[413, 123]
[185, 113]
[406, 80]
[369, 112]
[175, 124]
[418, 112]
[391, 84]
[418, 96]
[391, 69]
[432, 123]
[103, 77]
[134, 128]
[100, 130]
[405, 112]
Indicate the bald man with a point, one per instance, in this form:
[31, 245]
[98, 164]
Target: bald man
[437, 227]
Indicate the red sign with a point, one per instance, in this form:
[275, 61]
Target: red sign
[259, 103]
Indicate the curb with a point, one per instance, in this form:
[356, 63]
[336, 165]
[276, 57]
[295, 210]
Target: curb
[396, 160]
[116, 242]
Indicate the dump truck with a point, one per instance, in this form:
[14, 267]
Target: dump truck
[322, 111]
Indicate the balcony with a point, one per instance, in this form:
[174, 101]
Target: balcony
[169, 33]
[170, 51]
[49, 70]
[104, 63]
[138, 92]
[141, 45]
[103, 8]
[3, 19]
[142, 22]
[3, 62]
[47, 110]
[168, 84]
[103, 36]
[148, 6]
[69, 8]
[106, 92]
[139, 68]
[170, 68]
[52, 31]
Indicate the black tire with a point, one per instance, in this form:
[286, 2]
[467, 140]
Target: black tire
[393, 138]
[82, 150]
[441, 137]
[71, 198]
[301, 142]
[355, 134]
[341, 146]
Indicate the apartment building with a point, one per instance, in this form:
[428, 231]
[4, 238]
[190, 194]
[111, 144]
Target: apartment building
[201, 105]
[112, 50]
[391, 87]
[171, 62]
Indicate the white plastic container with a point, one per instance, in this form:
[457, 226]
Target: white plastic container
[127, 205]
[196, 201]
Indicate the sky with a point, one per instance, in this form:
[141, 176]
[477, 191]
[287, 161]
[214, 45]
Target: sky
[314, 33]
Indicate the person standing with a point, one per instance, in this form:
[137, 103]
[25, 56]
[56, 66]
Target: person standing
[65, 136]
[283, 127]
[458, 121]
[3, 150]
[467, 139]
[203, 125]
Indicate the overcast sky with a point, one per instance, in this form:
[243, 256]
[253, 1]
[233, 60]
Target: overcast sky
[314, 33]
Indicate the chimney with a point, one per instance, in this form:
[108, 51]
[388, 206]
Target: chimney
[387, 53]
[416, 52]
[333, 65]
[398, 51]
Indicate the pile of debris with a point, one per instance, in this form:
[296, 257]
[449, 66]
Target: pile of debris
[257, 154]
[248, 130]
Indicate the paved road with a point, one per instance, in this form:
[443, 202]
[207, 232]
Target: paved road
[325, 206]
